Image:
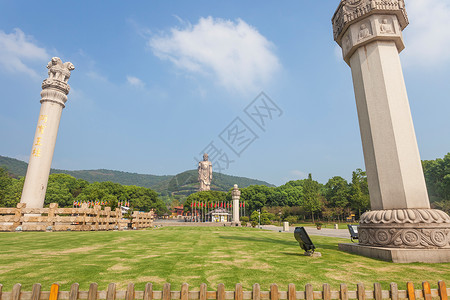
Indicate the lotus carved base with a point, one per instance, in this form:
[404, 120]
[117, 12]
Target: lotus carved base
[405, 228]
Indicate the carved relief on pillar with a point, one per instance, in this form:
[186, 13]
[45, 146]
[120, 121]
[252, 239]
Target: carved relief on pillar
[386, 27]
[372, 28]
[405, 228]
[352, 11]
[364, 31]
[347, 43]
[405, 216]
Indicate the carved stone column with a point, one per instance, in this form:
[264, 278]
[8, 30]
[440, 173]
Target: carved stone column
[235, 196]
[53, 99]
[370, 34]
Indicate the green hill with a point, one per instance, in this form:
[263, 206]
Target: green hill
[184, 183]
[14, 166]
[19, 168]
[124, 178]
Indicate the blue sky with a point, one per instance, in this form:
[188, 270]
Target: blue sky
[156, 82]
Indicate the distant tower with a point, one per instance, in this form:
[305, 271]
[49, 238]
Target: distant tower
[235, 196]
[204, 174]
[53, 99]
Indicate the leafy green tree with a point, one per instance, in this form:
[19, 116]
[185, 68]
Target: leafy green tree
[264, 217]
[140, 198]
[291, 219]
[13, 193]
[442, 205]
[437, 177]
[327, 212]
[63, 189]
[359, 192]
[111, 201]
[258, 196]
[311, 195]
[287, 195]
[58, 193]
[337, 192]
[5, 181]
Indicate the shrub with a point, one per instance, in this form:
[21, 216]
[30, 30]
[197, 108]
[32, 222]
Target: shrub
[244, 219]
[291, 219]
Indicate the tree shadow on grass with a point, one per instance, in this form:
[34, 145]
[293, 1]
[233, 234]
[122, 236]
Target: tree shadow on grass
[293, 254]
[292, 243]
[260, 240]
[326, 246]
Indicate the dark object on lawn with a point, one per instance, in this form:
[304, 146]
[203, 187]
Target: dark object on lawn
[353, 232]
[303, 239]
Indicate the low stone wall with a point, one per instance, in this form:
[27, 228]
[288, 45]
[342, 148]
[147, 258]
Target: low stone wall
[54, 218]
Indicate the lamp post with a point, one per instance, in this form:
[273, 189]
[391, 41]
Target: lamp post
[259, 218]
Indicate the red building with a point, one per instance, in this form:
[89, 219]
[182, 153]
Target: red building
[178, 211]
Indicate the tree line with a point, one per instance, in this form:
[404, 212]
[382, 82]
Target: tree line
[437, 177]
[65, 190]
[308, 199]
[304, 199]
[297, 199]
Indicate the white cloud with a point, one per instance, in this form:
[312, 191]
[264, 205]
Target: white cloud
[134, 81]
[428, 35]
[18, 49]
[234, 53]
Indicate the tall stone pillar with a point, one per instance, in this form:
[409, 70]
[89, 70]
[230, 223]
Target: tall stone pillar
[53, 99]
[235, 196]
[370, 34]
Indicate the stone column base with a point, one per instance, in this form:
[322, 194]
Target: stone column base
[403, 236]
[405, 228]
[399, 255]
[236, 224]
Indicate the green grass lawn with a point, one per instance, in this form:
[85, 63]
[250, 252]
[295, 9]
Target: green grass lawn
[324, 224]
[194, 255]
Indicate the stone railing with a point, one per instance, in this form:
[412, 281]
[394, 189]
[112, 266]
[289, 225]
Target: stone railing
[54, 218]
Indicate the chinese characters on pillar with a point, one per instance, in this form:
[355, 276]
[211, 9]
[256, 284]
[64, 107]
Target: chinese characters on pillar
[42, 124]
[241, 132]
